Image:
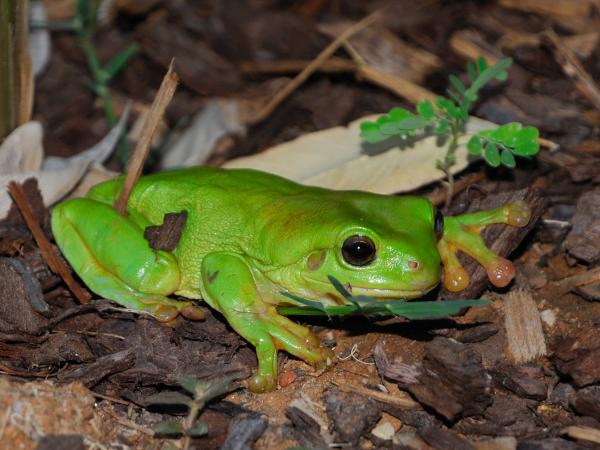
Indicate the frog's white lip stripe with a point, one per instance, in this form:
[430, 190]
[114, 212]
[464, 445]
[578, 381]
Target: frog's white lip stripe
[382, 293]
[389, 293]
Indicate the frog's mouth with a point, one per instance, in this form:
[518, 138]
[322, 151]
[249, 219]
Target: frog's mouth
[388, 293]
[380, 293]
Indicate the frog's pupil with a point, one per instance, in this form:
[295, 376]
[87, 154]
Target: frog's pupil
[358, 250]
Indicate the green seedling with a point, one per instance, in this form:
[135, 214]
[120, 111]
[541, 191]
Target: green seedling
[84, 25]
[448, 118]
[198, 393]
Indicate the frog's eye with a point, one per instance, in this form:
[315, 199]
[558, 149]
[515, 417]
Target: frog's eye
[438, 223]
[358, 250]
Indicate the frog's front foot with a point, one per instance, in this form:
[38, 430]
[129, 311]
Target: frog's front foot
[272, 332]
[231, 288]
[261, 382]
[463, 233]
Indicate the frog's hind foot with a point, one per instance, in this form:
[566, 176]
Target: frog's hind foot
[463, 233]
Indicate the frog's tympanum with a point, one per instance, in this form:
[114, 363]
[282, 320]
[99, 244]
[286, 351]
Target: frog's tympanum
[250, 236]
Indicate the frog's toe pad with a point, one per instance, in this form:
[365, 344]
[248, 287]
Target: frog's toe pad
[165, 313]
[456, 278]
[193, 312]
[262, 383]
[500, 272]
[326, 357]
[519, 213]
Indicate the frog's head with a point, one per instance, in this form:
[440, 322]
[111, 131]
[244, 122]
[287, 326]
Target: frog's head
[380, 246]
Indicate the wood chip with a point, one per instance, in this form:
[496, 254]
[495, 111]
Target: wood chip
[583, 433]
[471, 45]
[524, 333]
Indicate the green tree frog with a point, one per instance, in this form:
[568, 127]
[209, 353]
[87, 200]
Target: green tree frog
[250, 236]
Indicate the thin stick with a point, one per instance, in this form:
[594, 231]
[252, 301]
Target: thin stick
[573, 69]
[48, 252]
[401, 402]
[580, 279]
[155, 115]
[314, 65]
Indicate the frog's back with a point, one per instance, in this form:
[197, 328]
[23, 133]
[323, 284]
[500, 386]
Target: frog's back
[221, 205]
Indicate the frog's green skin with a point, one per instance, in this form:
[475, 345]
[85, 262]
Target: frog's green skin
[249, 236]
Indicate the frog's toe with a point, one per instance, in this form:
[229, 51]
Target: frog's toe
[193, 312]
[164, 313]
[500, 272]
[518, 213]
[456, 278]
[326, 356]
[262, 383]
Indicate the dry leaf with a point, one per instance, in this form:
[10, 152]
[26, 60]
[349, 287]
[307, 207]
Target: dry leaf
[56, 176]
[337, 158]
[217, 119]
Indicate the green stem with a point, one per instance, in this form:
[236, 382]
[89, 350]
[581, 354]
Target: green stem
[195, 408]
[99, 78]
[449, 161]
[101, 88]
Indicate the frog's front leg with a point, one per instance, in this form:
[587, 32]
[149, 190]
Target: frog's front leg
[229, 286]
[463, 233]
[108, 251]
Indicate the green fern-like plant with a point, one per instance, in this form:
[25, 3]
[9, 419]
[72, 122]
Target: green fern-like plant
[448, 118]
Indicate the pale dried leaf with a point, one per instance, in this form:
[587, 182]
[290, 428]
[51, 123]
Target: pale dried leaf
[22, 150]
[56, 176]
[337, 158]
[217, 119]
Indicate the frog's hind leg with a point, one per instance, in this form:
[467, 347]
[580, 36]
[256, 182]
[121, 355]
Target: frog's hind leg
[230, 287]
[109, 253]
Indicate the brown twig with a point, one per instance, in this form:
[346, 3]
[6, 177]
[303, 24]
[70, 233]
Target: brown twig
[18, 373]
[581, 279]
[314, 65]
[573, 69]
[48, 252]
[155, 115]
[404, 402]
[332, 65]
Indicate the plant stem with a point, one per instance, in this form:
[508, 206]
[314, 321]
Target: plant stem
[449, 161]
[100, 86]
[188, 423]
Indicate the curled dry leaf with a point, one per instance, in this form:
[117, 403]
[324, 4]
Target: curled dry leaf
[337, 158]
[21, 157]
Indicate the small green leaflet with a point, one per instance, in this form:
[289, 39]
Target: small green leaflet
[367, 306]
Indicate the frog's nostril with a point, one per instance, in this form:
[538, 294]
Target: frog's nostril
[413, 265]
